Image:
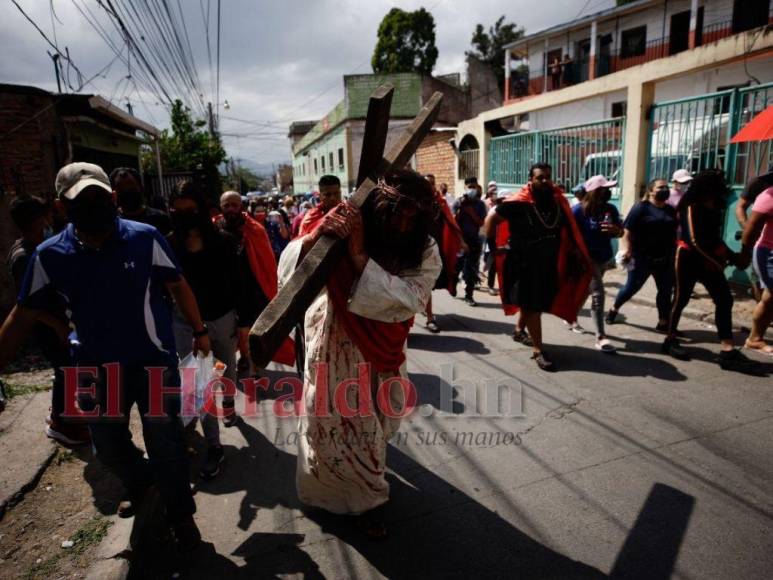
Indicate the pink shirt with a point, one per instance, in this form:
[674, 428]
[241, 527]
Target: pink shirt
[675, 197]
[764, 205]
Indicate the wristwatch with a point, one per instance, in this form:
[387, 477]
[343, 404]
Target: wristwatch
[203, 332]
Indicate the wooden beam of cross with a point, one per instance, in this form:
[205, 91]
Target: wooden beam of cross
[291, 302]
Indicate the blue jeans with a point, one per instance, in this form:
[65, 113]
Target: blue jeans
[167, 466]
[662, 271]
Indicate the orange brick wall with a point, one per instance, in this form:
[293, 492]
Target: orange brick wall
[436, 156]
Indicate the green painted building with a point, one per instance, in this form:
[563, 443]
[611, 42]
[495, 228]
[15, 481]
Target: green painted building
[333, 144]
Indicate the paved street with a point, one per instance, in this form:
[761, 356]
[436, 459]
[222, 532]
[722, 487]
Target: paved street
[631, 465]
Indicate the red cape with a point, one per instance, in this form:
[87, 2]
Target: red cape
[381, 343]
[571, 292]
[450, 243]
[263, 266]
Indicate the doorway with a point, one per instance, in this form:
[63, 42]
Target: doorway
[679, 39]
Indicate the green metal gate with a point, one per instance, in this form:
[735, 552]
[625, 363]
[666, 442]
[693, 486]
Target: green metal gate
[694, 134]
[575, 153]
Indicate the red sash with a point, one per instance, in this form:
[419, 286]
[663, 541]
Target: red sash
[449, 242]
[381, 343]
[571, 292]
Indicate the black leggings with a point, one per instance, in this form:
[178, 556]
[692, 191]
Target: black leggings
[692, 268]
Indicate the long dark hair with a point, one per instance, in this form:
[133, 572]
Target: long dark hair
[593, 201]
[396, 192]
[707, 186]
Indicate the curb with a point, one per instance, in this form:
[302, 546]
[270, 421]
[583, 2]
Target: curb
[124, 543]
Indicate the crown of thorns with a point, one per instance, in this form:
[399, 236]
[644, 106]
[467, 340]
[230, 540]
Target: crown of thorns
[394, 195]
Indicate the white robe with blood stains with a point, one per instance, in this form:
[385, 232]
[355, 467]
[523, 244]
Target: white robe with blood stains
[342, 461]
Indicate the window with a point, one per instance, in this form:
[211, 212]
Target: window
[322, 162]
[633, 42]
[618, 109]
[340, 158]
[315, 166]
[331, 161]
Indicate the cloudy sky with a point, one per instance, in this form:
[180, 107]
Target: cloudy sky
[280, 60]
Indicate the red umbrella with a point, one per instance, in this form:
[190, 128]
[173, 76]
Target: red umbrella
[760, 128]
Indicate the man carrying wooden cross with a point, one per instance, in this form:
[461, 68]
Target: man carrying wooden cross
[356, 331]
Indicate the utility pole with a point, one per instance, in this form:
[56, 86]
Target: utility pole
[129, 107]
[211, 119]
[55, 58]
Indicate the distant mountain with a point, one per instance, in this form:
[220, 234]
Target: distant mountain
[260, 168]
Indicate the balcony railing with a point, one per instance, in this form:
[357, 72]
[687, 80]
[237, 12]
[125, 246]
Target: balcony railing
[608, 62]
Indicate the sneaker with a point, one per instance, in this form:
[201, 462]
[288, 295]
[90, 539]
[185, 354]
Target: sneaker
[186, 535]
[231, 418]
[605, 346]
[543, 362]
[132, 502]
[470, 301]
[213, 463]
[576, 328]
[522, 337]
[432, 326]
[610, 317]
[672, 348]
[67, 433]
[735, 360]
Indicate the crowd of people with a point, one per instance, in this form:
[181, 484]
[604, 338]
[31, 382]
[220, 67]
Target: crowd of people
[116, 287]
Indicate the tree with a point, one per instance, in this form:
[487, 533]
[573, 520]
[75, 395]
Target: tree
[489, 47]
[406, 43]
[188, 146]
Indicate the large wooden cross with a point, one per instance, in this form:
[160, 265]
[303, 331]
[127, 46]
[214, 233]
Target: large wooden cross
[290, 304]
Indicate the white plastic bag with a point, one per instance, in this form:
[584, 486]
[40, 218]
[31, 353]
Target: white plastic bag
[622, 262]
[194, 387]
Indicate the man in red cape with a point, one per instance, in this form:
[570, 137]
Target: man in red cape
[542, 262]
[450, 241]
[255, 249]
[329, 197]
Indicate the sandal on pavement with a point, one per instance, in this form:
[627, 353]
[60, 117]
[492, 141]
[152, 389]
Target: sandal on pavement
[759, 346]
[543, 362]
[605, 346]
[522, 337]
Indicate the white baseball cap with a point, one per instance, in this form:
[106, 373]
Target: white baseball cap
[681, 176]
[75, 177]
[492, 184]
[598, 181]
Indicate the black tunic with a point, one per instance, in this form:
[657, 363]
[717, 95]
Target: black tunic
[530, 274]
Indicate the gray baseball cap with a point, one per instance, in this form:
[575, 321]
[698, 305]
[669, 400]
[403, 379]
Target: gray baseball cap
[75, 177]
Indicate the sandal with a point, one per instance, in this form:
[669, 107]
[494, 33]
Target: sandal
[432, 326]
[543, 362]
[759, 346]
[522, 337]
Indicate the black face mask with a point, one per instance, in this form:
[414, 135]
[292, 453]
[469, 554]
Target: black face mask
[130, 200]
[96, 216]
[662, 193]
[233, 220]
[185, 221]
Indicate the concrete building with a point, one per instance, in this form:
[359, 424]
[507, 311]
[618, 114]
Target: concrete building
[652, 86]
[333, 145]
[41, 132]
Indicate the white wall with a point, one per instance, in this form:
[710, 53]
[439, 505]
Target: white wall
[699, 83]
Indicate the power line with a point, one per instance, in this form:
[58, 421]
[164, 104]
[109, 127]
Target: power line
[51, 44]
[217, 86]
